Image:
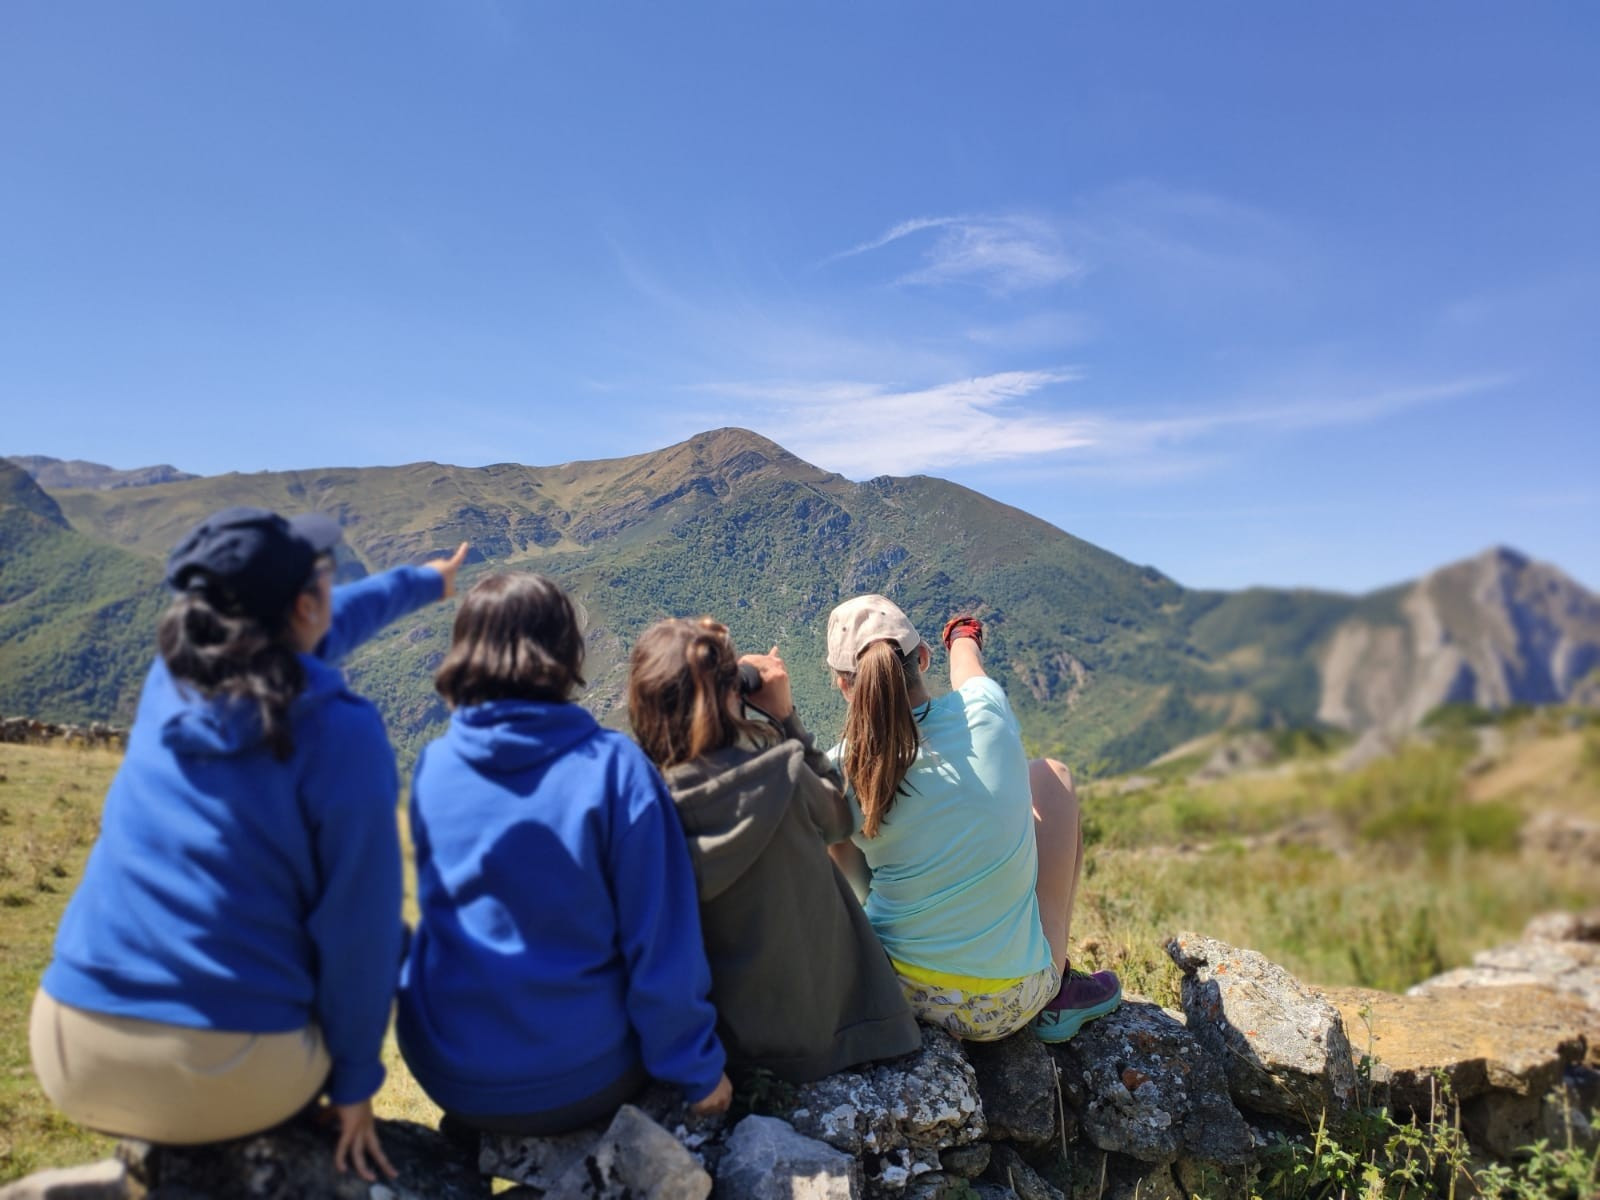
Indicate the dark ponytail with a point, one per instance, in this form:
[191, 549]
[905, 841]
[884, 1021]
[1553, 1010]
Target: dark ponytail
[219, 651]
[880, 731]
[683, 692]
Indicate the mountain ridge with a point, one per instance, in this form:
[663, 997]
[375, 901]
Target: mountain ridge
[1108, 663]
[75, 472]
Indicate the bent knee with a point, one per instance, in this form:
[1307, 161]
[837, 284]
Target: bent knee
[1055, 800]
[1048, 771]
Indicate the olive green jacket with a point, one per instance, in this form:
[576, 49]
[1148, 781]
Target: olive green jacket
[801, 984]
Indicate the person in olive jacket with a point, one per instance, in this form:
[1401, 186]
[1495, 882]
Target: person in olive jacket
[801, 985]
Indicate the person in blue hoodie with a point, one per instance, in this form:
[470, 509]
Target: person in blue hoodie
[231, 952]
[557, 964]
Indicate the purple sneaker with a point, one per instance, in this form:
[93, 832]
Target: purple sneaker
[1081, 999]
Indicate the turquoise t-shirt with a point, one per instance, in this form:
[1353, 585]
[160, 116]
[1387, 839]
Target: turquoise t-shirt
[954, 864]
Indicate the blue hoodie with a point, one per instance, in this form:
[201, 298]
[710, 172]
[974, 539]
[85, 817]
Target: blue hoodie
[558, 946]
[231, 891]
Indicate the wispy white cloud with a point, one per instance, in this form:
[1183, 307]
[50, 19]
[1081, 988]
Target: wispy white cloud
[863, 429]
[937, 386]
[1295, 409]
[1179, 242]
[894, 234]
[1001, 254]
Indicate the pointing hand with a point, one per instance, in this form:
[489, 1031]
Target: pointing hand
[448, 567]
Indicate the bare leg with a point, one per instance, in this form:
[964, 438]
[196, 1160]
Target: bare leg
[1059, 834]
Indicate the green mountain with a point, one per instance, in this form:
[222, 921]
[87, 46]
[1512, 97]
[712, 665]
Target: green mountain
[77, 618]
[1107, 663]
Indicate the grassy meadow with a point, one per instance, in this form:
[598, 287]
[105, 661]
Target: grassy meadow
[1379, 876]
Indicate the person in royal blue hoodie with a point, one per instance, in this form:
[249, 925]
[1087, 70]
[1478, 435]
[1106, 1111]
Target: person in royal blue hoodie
[232, 950]
[557, 964]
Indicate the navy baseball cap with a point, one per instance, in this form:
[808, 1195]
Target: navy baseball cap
[251, 559]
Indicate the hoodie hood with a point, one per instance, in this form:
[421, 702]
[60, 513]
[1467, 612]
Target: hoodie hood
[220, 726]
[731, 805]
[514, 735]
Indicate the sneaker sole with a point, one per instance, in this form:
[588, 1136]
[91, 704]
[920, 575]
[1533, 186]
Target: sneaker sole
[1061, 1025]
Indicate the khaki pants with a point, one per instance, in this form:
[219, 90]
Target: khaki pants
[169, 1083]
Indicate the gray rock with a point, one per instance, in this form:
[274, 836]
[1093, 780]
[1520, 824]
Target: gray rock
[1284, 1047]
[1142, 1086]
[295, 1162]
[635, 1159]
[1018, 1086]
[539, 1162]
[967, 1162]
[103, 1180]
[1564, 927]
[896, 1116]
[1502, 1123]
[1008, 1169]
[992, 1191]
[1568, 1111]
[1572, 967]
[535, 1161]
[767, 1159]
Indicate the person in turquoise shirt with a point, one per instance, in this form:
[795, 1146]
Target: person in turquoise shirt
[968, 855]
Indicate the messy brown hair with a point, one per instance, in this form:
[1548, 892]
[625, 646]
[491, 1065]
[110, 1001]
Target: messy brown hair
[880, 730]
[516, 637]
[220, 650]
[683, 692]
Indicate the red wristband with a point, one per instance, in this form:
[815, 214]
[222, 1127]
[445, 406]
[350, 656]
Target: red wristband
[963, 627]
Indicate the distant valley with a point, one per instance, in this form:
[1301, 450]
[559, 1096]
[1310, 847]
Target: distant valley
[1108, 663]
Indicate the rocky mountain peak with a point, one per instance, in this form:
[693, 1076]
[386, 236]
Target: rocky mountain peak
[1493, 630]
[732, 453]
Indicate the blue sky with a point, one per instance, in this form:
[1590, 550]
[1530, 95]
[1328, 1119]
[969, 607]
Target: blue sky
[1256, 293]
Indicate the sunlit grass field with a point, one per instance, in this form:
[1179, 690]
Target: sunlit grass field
[1378, 877]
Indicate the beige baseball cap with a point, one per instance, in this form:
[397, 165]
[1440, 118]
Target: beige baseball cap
[856, 624]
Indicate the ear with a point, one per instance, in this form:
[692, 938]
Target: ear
[304, 623]
[306, 605]
[924, 656]
[843, 684]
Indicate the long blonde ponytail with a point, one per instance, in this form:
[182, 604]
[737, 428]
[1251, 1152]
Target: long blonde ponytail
[880, 732]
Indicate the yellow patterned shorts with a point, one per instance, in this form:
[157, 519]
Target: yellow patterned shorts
[981, 1016]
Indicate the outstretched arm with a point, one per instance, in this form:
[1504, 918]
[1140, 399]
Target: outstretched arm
[363, 608]
[963, 638]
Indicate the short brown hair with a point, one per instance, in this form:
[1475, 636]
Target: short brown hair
[683, 692]
[516, 637]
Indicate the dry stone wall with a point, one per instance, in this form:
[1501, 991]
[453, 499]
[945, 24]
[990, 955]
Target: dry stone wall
[1145, 1102]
